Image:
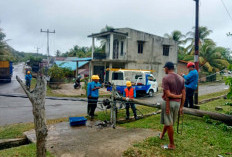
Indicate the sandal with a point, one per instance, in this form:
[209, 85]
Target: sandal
[166, 147]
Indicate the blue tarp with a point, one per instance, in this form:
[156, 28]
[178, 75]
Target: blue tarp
[70, 64]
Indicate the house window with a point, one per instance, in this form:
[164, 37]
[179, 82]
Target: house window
[122, 44]
[140, 47]
[166, 50]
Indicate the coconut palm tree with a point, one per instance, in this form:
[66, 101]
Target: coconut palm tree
[204, 32]
[211, 58]
[176, 36]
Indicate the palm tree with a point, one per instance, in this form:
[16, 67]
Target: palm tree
[204, 32]
[176, 36]
[210, 58]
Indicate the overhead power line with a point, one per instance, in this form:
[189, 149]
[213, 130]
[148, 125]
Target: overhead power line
[227, 10]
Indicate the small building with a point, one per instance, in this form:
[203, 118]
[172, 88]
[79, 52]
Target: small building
[128, 48]
[83, 65]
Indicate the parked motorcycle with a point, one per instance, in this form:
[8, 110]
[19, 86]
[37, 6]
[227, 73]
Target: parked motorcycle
[77, 83]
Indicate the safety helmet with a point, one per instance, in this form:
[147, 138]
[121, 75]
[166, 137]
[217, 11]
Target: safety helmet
[95, 77]
[128, 83]
[190, 64]
[28, 72]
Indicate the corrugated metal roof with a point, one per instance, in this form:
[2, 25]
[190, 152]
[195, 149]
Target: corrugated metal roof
[77, 59]
[70, 64]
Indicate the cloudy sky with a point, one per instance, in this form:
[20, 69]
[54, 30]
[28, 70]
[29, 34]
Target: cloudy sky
[73, 20]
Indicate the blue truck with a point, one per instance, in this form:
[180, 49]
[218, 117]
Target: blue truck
[142, 80]
[6, 71]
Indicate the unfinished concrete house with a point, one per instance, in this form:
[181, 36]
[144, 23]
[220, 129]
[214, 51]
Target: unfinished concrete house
[127, 48]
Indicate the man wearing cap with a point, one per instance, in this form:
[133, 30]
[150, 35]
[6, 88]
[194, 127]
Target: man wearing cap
[28, 79]
[130, 93]
[174, 97]
[92, 95]
[191, 82]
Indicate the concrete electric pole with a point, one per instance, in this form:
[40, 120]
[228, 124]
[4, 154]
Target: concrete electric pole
[37, 50]
[47, 31]
[196, 56]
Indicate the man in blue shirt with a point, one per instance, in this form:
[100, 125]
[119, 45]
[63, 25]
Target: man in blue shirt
[191, 82]
[28, 79]
[92, 95]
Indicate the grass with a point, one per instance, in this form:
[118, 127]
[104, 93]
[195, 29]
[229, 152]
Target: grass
[122, 113]
[22, 151]
[198, 139]
[210, 106]
[213, 95]
[17, 130]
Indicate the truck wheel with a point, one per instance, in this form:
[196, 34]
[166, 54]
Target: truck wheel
[151, 93]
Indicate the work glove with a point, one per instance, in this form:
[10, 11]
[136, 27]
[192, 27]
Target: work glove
[127, 99]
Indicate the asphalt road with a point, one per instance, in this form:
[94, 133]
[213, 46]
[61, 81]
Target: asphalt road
[19, 110]
[13, 86]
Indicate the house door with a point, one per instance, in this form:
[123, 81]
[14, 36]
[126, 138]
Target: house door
[115, 51]
[99, 70]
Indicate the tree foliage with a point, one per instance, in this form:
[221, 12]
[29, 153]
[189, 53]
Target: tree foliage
[211, 57]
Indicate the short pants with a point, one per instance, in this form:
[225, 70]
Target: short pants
[171, 118]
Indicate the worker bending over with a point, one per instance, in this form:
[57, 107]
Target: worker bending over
[130, 93]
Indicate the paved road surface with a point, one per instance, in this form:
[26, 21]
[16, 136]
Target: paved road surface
[13, 86]
[17, 110]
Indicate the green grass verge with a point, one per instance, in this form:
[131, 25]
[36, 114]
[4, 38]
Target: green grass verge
[201, 136]
[198, 139]
[210, 106]
[16, 130]
[213, 95]
[22, 151]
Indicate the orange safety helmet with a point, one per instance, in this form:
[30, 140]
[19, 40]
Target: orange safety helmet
[190, 64]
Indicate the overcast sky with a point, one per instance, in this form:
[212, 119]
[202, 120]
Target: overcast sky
[73, 20]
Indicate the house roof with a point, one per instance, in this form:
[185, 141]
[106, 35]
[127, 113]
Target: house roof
[70, 64]
[77, 59]
[182, 61]
[106, 33]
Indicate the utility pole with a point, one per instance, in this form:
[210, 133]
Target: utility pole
[47, 31]
[196, 56]
[37, 50]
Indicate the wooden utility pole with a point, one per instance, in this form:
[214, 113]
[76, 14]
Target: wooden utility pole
[196, 56]
[47, 31]
[37, 98]
[199, 113]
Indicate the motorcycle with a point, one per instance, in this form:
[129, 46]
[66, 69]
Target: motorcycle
[77, 83]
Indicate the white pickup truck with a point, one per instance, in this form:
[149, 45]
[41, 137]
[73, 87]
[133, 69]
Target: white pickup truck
[142, 80]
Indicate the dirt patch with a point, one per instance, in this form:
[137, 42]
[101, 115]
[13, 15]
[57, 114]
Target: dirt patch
[66, 141]
[67, 89]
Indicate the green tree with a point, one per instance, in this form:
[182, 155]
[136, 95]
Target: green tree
[204, 32]
[210, 58]
[176, 36]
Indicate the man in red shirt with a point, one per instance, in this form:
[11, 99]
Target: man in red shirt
[174, 98]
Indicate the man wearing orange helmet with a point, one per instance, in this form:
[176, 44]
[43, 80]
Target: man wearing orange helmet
[130, 93]
[28, 79]
[92, 95]
[191, 82]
